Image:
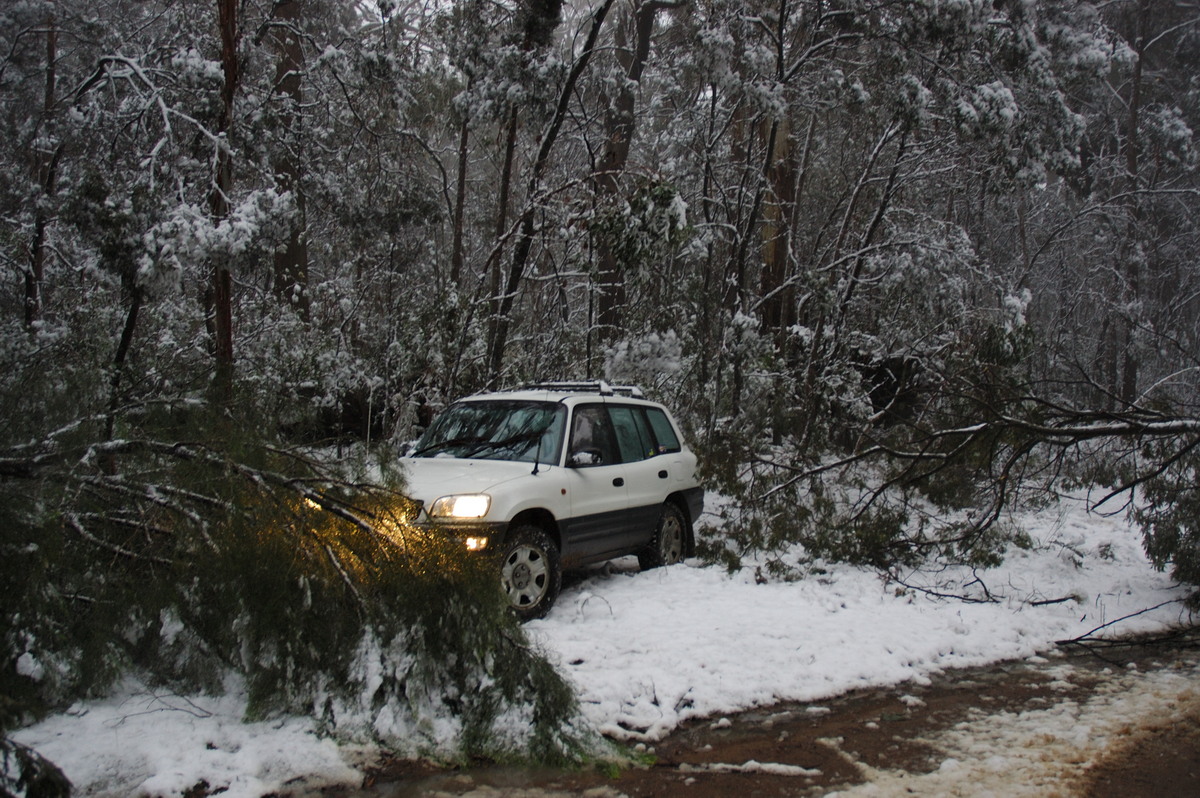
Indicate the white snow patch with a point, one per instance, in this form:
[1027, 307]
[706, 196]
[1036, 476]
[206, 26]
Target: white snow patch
[139, 743]
[29, 666]
[772, 768]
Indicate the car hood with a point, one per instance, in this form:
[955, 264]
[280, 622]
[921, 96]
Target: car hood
[428, 478]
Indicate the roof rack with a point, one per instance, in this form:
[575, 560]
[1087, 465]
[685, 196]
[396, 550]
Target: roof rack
[588, 386]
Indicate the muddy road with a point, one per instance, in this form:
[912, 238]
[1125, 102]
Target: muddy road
[1099, 721]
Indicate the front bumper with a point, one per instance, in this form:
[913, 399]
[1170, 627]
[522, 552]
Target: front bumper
[474, 535]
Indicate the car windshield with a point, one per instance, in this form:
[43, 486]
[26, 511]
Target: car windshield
[496, 430]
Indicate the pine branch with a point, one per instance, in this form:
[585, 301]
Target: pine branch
[74, 522]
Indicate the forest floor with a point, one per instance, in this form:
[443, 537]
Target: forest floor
[1112, 719]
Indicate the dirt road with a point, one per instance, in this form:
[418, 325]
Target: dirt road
[1104, 721]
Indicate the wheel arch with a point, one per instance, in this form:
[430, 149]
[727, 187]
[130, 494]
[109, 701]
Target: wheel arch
[541, 518]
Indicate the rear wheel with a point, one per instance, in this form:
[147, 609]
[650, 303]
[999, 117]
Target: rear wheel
[530, 572]
[670, 539]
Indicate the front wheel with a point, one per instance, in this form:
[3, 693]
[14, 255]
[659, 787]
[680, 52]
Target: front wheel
[530, 573]
[670, 540]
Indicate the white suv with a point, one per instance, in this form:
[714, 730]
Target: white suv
[557, 475]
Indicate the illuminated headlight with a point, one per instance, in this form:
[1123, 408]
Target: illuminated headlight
[471, 505]
[476, 544]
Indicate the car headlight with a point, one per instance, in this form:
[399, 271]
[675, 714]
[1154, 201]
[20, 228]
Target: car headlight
[468, 505]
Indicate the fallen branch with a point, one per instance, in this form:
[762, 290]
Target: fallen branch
[1086, 637]
[988, 599]
[1048, 602]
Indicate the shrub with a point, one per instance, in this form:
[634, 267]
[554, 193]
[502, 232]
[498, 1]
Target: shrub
[1169, 513]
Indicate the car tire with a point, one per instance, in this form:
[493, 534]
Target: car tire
[530, 572]
[670, 542]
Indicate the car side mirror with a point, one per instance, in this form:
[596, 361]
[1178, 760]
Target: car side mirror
[582, 458]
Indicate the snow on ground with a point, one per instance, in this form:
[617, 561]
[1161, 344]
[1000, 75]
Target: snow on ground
[647, 651]
[144, 744]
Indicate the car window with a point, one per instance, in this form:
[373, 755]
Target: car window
[500, 430]
[665, 439]
[633, 434]
[592, 439]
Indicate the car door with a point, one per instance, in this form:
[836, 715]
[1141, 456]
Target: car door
[595, 481]
[646, 473]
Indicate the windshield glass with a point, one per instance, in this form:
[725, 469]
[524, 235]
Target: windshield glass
[499, 430]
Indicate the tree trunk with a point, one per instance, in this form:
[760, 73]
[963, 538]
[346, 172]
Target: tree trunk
[45, 167]
[495, 269]
[620, 125]
[1131, 251]
[741, 153]
[136, 299]
[779, 305]
[291, 262]
[457, 254]
[222, 285]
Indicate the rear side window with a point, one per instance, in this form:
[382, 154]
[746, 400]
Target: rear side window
[633, 436]
[665, 439]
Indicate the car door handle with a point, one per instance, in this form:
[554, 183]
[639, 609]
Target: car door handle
[619, 482]
[662, 474]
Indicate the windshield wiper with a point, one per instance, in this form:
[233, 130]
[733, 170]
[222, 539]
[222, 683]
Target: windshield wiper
[520, 437]
[447, 444]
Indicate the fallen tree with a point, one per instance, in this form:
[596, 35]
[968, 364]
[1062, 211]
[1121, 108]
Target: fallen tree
[919, 490]
[193, 546]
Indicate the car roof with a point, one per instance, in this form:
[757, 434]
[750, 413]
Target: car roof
[568, 393]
